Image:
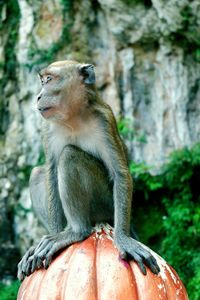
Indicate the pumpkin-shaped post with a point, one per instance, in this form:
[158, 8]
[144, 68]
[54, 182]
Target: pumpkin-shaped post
[92, 270]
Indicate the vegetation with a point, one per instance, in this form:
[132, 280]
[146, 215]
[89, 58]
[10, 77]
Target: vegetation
[146, 3]
[9, 26]
[9, 292]
[127, 131]
[168, 213]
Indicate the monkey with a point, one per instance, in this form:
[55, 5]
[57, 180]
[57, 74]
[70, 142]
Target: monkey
[85, 179]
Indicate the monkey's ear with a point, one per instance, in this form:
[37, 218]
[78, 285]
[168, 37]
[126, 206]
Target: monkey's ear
[87, 72]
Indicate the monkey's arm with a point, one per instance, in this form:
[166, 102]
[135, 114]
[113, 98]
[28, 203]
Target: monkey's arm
[115, 159]
[56, 218]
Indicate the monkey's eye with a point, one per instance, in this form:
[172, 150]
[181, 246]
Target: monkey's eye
[48, 78]
[42, 81]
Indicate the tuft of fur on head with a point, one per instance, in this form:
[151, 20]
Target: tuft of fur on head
[63, 62]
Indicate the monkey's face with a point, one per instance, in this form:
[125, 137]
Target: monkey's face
[64, 89]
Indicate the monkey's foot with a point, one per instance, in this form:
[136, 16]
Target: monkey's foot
[42, 255]
[130, 247]
[22, 265]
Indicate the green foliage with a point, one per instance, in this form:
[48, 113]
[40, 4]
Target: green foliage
[25, 171]
[138, 168]
[197, 54]
[11, 25]
[125, 127]
[127, 131]
[9, 292]
[175, 194]
[182, 224]
[146, 3]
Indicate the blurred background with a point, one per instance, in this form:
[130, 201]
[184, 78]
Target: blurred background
[147, 59]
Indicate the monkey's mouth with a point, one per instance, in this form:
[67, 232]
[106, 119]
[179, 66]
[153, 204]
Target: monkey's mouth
[43, 109]
[46, 112]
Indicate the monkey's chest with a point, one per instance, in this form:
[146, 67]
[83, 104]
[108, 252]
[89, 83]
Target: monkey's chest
[91, 143]
[97, 147]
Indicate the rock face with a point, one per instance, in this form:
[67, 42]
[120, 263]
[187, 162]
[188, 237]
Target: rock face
[147, 58]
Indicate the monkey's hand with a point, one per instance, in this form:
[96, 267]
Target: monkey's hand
[127, 246]
[42, 255]
[22, 265]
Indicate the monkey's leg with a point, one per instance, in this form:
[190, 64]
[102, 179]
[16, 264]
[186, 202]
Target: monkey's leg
[133, 232]
[39, 203]
[81, 178]
[38, 195]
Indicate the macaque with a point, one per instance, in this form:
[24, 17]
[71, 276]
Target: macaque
[85, 179]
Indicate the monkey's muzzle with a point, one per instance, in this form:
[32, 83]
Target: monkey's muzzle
[44, 109]
[46, 112]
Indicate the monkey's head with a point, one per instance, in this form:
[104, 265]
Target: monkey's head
[65, 86]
